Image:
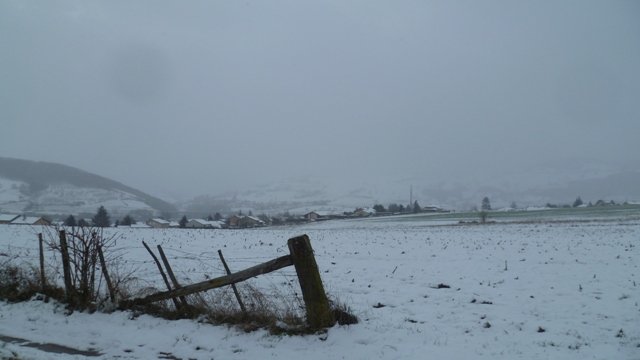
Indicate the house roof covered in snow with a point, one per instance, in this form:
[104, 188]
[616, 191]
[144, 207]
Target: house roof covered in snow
[26, 220]
[207, 223]
[161, 221]
[8, 217]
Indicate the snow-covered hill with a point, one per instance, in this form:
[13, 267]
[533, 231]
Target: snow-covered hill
[53, 189]
[62, 199]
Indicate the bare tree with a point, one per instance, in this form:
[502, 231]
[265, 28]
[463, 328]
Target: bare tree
[84, 246]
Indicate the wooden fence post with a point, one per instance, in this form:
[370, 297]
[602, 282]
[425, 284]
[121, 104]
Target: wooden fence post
[107, 278]
[319, 314]
[66, 268]
[233, 286]
[176, 284]
[43, 280]
[164, 277]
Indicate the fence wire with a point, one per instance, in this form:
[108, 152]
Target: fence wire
[130, 264]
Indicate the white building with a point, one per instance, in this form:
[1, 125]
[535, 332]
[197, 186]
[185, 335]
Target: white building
[204, 224]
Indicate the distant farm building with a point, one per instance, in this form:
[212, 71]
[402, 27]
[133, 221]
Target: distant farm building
[30, 220]
[158, 223]
[233, 221]
[204, 224]
[7, 218]
[312, 216]
[363, 212]
[319, 215]
[239, 222]
[250, 221]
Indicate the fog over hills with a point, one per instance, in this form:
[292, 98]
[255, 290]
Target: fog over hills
[555, 185]
[53, 189]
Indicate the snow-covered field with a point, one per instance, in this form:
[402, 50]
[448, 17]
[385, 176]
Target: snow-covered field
[532, 291]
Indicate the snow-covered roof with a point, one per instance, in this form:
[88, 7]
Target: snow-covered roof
[213, 223]
[254, 218]
[140, 225]
[199, 221]
[161, 221]
[323, 212]
[8, 217]
[26, 220]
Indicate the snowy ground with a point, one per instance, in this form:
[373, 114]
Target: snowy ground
[531, 291]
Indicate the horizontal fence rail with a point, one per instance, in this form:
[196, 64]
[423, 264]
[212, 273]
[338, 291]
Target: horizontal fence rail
[319, 313]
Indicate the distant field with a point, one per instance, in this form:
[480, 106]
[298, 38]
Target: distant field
[623, 212]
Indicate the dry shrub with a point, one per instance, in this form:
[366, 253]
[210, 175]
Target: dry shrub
[21, 284]
[263, 311]
[343, 313]
[219, 306]
[271, 310]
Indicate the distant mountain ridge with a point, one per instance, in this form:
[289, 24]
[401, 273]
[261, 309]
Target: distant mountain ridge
[42, 186]
[306, 194]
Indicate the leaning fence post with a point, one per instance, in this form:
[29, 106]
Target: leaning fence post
[233, 286]
[319, 314]
[107, 278]
[66, 268]
[43, 280]
[164, 277]
[176, 285]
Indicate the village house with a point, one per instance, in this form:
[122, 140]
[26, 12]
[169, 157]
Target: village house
[236, 222]
[319, 215]
[233, 221]
[250, 221]
[431, 209]
[7, 218]
[31, 220]
[312, 216]
[158, 223]
[203, 224]
[360, 212]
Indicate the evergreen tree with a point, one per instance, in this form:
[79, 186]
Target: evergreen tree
[416, 207]
[209, 218]
[379, 208]
[127, 221]
[217, 217]
[83, 223]
[183, 222]
[70, 221]
[578, 202]
[101, 218]
[486, 204]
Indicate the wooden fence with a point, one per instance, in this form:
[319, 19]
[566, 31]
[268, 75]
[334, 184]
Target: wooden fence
[318, 310]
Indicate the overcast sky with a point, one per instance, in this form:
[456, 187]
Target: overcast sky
[185, 98]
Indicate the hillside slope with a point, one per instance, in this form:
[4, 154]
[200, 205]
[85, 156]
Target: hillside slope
[49, 188]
